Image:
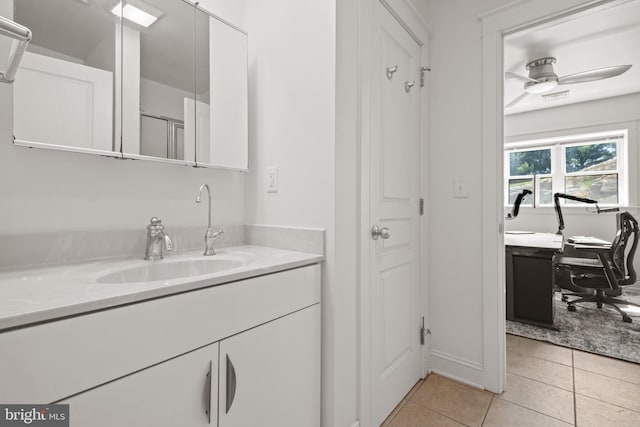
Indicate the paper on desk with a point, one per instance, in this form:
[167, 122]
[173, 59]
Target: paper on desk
[587, 240]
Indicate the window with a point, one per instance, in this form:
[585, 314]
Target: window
[589, 166]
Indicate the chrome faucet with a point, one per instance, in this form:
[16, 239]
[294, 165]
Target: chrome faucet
[157, 240]
[209, 235]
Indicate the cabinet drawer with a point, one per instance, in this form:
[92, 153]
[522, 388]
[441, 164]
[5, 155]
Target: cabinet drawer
[48, 362]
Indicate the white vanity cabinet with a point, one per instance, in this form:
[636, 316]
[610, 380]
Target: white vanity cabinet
[163, 362]
[270, 375]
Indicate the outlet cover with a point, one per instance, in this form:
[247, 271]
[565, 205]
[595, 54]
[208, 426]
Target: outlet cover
[272, 179]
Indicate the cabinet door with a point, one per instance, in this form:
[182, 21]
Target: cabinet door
[179, 392]
[270, 375]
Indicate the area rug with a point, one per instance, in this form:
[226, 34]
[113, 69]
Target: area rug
[590, 329]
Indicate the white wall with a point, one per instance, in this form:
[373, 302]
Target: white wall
[456, 131]
[292, 86]
[43, 191]
[455, 153]
[341, 391]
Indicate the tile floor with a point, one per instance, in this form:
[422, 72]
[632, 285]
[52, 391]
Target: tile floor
[547, 386]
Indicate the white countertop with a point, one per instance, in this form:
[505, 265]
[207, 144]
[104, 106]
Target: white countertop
[36, 295]
[533, 240]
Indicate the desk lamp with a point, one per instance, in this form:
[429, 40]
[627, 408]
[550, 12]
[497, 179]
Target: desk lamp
[516, 205]
[556, 202]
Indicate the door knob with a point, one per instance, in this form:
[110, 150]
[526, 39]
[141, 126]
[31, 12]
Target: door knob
[383, 232]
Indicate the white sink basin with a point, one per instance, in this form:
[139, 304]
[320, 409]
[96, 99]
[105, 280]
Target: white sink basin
[167, 270]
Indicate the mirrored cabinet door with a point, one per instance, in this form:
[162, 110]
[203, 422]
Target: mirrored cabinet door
[65, 93]
[158, 95]
[147, 79]
[222, 104]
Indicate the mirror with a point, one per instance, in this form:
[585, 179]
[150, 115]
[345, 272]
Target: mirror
[221, 93]
[64, 96]
[172, 89]
[162, 55]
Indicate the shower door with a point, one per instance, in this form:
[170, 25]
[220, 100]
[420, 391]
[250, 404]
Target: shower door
[161, 137]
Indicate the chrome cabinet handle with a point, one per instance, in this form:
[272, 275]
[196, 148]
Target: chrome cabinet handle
[208, 393]
[231, 384]
[383, 232]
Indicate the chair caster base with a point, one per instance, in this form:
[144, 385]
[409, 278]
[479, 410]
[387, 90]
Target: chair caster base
[571, 308]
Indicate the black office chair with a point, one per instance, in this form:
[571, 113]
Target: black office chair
[603, 276]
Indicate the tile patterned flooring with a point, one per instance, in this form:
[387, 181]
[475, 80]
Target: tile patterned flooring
[547, 386]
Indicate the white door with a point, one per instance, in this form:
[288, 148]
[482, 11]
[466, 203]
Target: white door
[395, 320]
[63, 103]
[270, 375]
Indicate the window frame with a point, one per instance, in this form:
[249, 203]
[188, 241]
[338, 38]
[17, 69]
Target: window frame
[558, 174]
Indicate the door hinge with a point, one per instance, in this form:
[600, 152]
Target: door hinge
[424, 332]
[421, 206]
[422, 75]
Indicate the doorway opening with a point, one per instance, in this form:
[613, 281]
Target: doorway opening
[570, 128]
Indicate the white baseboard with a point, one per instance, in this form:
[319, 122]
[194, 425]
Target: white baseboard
[456, 368]
[356, 424]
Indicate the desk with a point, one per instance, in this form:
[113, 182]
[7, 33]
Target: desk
[529, 276]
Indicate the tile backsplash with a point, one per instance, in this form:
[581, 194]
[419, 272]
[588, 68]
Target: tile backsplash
[22, 251]
[68, 247]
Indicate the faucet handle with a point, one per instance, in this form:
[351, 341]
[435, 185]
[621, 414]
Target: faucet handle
[217, 234]
[168, 242]
[155, 224]
[209, 237]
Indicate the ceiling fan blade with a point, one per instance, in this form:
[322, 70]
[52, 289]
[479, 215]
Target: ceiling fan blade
[589, 76]
[517, 99]
[510, 75]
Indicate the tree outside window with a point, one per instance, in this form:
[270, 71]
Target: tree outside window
[590, 169]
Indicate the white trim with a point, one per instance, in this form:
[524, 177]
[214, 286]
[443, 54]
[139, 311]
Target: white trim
[356, 424]
[424, 220]
[365, 31]
[495, 25]
[457, 368]
[567, 140]
[499, 9]
[604, 129]
[407, 14]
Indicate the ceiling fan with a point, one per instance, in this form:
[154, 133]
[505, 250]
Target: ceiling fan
[542, 78]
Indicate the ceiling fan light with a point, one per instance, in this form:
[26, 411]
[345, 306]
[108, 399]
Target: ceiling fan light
[540, 87]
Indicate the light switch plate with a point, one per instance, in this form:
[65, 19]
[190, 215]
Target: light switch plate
[460, 190]
[272, 179]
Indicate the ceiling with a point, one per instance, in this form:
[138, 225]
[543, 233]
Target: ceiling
[601, 37]
[77, 27]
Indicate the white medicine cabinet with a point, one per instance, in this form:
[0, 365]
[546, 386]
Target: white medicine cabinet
[171, 88]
